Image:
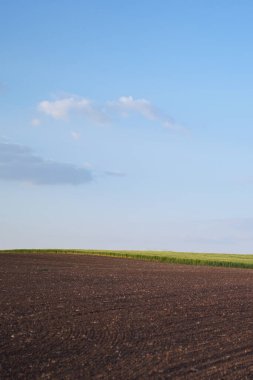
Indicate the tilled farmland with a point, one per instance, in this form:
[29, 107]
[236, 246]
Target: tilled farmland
[91, 317]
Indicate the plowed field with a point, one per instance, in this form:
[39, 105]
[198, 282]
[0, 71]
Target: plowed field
[87, 317]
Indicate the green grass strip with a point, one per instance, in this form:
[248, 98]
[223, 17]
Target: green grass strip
[188, 258]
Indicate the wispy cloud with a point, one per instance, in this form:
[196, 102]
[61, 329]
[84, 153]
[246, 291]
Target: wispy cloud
[127, 105]
[221, 231]
[62, 108]
[35, 122]
[19, 163]
[114, 173]
[75, 135]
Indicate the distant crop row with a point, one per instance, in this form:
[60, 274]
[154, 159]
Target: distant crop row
[214, 259]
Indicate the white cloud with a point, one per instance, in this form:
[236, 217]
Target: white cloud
[61, 109]
[143, 107]
[128, 104]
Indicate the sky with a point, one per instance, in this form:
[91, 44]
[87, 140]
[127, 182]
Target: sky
[126, 124]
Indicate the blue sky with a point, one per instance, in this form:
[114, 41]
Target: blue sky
[126, 124]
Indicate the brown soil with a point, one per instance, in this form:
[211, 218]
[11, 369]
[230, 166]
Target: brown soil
[83, 317]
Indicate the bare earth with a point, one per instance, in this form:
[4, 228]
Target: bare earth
[83, 317]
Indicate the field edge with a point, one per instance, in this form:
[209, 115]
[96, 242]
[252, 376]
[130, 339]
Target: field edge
[170, 257]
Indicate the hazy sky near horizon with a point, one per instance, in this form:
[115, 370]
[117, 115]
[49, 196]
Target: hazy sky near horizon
[126, 124]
